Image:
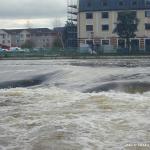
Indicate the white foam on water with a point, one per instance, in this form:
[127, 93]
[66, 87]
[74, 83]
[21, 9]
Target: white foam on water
[56, 115]
[54, 118]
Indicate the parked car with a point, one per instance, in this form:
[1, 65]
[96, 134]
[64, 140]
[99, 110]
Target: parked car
[6, 50]
[15, 49]
[1, 50]
[25, 50]
[18, 49]
[36, 49]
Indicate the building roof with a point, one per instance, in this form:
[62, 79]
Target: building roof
[37, 31]
[110, 5]
[12, 31]
[59, 29]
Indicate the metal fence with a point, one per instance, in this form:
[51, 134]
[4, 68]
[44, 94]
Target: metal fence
[57, 52]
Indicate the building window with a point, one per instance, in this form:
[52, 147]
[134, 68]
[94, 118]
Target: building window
[27, 35]
[4, 36]
[105, 15]
[147, 45]
[134, 3]
[120, 3]
[89, 4]
[135, 44]
[89, 27]
[147, 13]
[147, 2]
[104, 3]
[147, 26]
[121, 43]
[105, 27]
[89, 42]
[89, 15]
[21, 35]
[105, 42]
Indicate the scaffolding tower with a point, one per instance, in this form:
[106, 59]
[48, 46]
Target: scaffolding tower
[72, 12]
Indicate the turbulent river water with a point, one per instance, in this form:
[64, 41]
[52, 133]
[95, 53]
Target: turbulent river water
[74, 104]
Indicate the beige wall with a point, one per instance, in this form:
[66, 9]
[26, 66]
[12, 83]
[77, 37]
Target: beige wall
[24, 36]
[5, 38]
[44, 41]
[97, 22]
[40, 41]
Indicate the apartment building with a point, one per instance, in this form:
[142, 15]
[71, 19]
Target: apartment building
[5, 38]
[40, 37]
[97, 18]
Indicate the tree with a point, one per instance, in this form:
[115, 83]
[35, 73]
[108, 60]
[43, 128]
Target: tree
[126, 26]
[56, 23]
[28, 44]
[28, 24]
[57, 43]
[70, 34]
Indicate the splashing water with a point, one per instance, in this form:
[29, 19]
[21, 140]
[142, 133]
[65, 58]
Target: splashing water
[66, 112]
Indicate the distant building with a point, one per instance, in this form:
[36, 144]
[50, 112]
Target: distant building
[97, 18]
[5, 39]
[41, 37]
[61, 35]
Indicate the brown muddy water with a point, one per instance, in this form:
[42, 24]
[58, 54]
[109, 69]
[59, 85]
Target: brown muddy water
[74, 104]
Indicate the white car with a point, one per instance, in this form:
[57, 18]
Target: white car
[25, 50]
[15, 49]
[1, 50]
[6, 50]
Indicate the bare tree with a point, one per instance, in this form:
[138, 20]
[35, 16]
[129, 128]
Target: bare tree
[56, 23]
[28, 24]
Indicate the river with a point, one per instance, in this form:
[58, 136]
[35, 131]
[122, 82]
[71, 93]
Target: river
[74, 104]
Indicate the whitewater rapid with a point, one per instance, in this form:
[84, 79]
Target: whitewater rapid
[74, 104]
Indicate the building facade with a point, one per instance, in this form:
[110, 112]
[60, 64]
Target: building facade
[5, 38]
[40, 37]
[97, 20]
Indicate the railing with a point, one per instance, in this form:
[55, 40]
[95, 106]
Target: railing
[72, 52]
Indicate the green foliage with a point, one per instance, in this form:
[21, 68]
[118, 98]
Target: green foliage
[126, 25]
[28, 44]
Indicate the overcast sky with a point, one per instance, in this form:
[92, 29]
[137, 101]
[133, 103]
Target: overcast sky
[38, 13]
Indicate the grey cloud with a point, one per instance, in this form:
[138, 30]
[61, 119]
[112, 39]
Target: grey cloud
[34, 9]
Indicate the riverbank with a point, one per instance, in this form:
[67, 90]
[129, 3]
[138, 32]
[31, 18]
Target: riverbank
[75, 57]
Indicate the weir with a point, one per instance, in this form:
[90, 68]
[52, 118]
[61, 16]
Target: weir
[127, 87]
